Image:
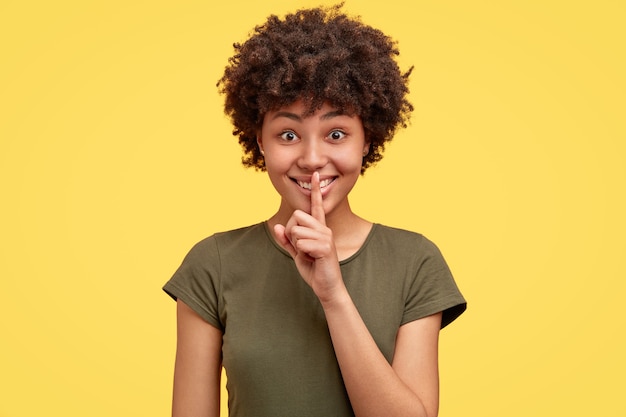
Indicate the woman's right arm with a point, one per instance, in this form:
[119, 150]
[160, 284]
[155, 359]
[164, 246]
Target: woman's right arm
[198, 366]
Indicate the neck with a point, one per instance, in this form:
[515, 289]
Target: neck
[349, 230]
[340, 220]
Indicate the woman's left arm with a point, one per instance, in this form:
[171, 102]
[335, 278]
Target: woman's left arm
[407, 387]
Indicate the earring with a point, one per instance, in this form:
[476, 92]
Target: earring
[262, 153]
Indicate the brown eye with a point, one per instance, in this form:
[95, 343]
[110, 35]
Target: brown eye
[289, 136]
[336, 135]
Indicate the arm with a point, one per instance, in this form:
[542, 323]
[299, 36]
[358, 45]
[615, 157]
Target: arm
[407, 387]
[198, 366]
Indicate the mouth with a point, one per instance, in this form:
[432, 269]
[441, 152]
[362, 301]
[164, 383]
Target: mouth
[307, 185]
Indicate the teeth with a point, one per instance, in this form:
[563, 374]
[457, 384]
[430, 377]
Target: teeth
[303, 184]
[325, 183]
[307, 185]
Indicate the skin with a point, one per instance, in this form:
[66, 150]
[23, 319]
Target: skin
[318, 228]
[329, 143]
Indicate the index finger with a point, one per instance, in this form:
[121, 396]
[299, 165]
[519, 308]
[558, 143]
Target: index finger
[317, 202]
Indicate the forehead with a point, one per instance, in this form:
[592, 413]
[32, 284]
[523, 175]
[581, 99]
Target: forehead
[302, 109]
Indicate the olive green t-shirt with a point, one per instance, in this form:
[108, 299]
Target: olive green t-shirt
[277, 351]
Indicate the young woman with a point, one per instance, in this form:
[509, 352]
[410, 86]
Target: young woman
[317, 311]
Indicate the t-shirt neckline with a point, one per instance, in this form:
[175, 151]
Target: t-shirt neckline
[268, 233]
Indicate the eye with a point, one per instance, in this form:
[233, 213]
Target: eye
[289, 136]
[336, 135]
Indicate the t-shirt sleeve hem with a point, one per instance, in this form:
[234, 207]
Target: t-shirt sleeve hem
[178, 293]
[451, 306]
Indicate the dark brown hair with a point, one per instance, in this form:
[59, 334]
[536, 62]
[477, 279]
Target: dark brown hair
[317, 55]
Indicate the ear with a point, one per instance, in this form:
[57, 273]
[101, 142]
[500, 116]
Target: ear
[259, 142]
[366, 148]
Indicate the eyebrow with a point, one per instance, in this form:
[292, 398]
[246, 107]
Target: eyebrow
[298, 118]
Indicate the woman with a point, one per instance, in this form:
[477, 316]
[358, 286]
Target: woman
[317, 311]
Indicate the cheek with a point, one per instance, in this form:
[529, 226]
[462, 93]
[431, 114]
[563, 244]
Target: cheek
[275, 166]
[351, 161]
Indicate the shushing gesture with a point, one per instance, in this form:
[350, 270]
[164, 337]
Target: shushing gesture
[310, 243]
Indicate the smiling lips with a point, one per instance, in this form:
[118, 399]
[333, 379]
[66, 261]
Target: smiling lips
[307, 185]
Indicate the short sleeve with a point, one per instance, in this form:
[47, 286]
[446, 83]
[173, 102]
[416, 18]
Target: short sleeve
[433, 288]
[196, 282]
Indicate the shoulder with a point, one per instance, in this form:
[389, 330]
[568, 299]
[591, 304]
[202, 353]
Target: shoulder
[247, 245]
[231, 239]
[397, 233]
[412, 252]
[402, 241]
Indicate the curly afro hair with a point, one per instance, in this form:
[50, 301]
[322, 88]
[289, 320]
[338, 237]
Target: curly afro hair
[320, 56]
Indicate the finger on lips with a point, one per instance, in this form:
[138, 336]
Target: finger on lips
[302, 225]
[317, 202]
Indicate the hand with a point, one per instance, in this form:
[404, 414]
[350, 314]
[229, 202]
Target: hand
[310, 243]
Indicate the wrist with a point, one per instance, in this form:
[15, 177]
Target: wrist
[336, 300]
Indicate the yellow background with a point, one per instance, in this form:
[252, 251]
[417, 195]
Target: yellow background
[115, 157]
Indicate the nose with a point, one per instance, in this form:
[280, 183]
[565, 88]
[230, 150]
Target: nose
[313, 155]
